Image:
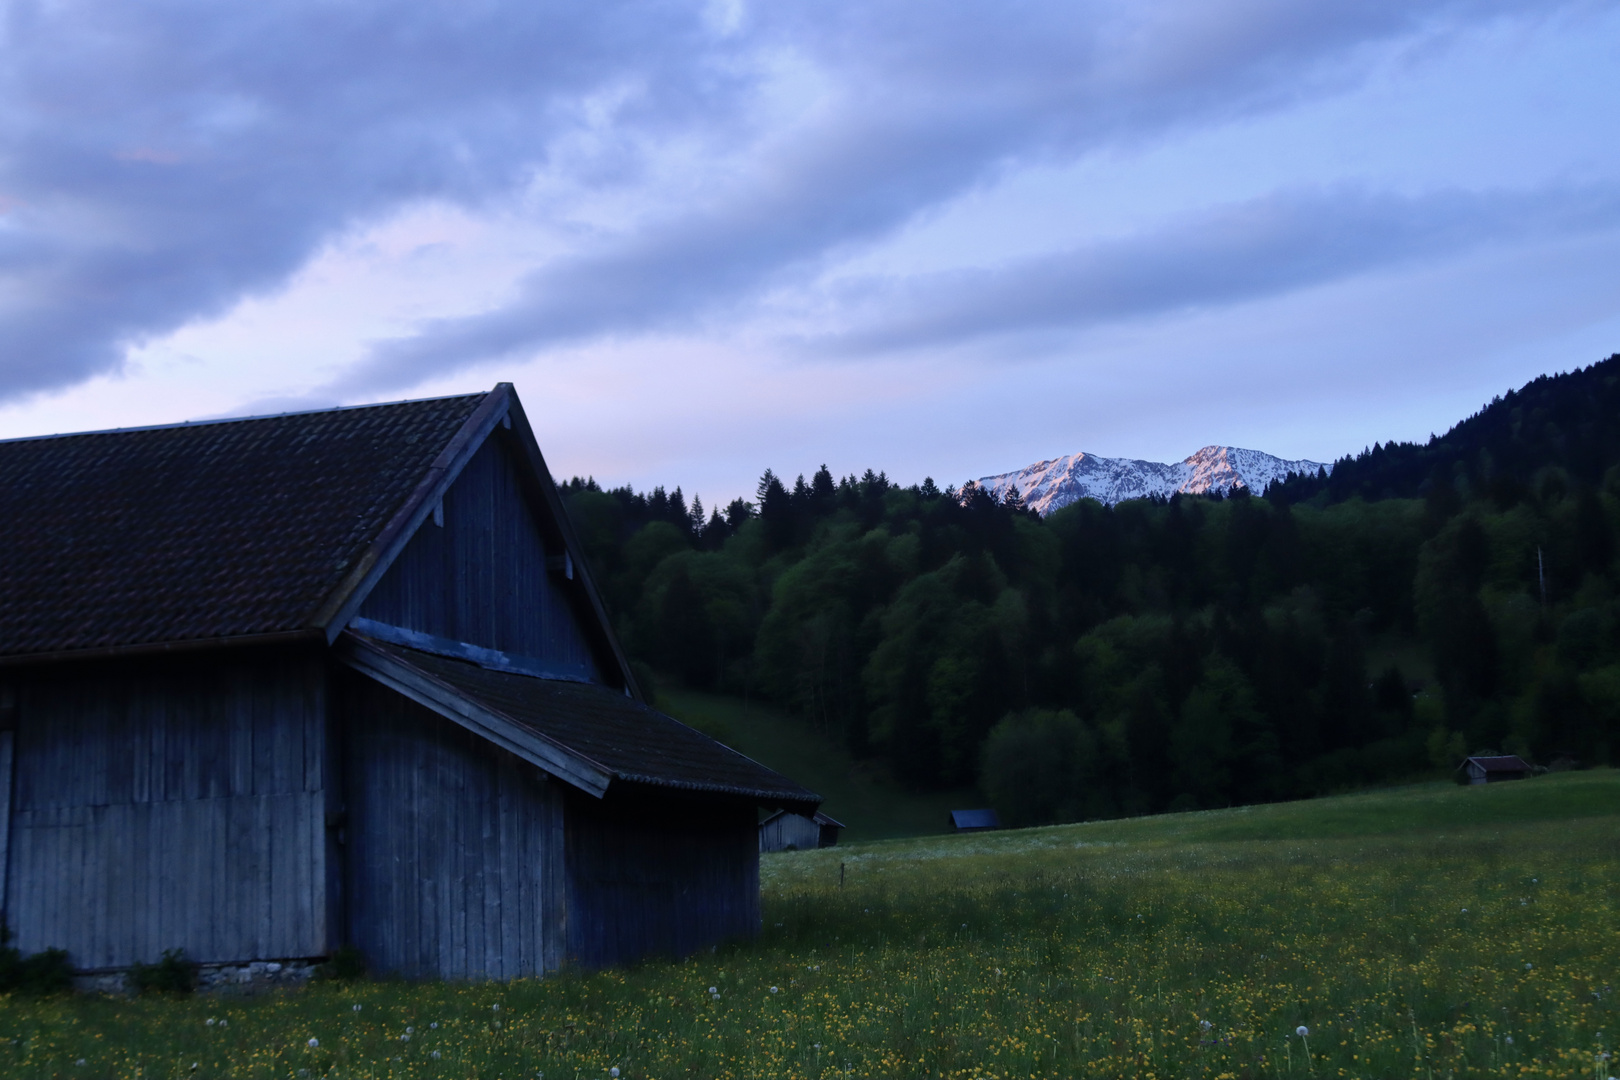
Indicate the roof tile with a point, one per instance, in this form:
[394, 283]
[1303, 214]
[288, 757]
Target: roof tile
[195, 531]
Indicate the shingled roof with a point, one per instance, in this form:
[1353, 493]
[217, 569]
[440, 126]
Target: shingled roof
[588, 734]
[204, 530]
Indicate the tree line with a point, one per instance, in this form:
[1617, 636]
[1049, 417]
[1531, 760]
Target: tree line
[1158, 654]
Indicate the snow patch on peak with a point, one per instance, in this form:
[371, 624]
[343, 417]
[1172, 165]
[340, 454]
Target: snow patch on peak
[1050, 485]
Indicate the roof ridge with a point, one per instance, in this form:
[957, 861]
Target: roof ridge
[242, 419]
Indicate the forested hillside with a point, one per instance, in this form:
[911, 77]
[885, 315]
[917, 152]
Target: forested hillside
[1190, 653]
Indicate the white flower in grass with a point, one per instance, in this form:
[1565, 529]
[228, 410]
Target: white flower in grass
[1302, 1031]
[410, 1031]
[435, 1055]
[79, 1062]
[314, 1042]
[1205, 1024]
[210, 1021]
[1508, 1040]
[712, 990]
[773, 989]
[405, 1038]
[357, 1006]
[614, 1072]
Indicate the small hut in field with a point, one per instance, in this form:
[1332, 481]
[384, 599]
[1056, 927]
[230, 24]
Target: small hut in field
[1495, 768]
[787, 831]
[974, 820]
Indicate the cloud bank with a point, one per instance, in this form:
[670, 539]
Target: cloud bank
[697, 164]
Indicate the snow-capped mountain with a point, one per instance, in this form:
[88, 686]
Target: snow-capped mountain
[1048, 485]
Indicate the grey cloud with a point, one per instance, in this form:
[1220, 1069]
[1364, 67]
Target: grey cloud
[928, 103]
[1290, 240]
[160, 161]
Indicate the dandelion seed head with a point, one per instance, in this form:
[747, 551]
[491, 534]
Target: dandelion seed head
[614, 1072]
[773, 989]
[314, 1042]
[1302, 1031]
[357, 1006]
[1205, 1024]
[435, 1055]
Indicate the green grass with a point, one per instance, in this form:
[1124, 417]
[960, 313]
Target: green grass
[1432, 931]
[871, 805]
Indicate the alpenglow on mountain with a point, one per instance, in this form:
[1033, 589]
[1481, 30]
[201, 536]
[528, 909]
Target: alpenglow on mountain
[1050, 485]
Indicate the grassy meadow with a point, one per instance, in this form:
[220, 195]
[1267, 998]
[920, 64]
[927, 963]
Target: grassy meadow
[1431, 931]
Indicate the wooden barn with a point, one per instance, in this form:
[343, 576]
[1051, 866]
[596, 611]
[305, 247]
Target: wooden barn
[276, 685]
[787, 831]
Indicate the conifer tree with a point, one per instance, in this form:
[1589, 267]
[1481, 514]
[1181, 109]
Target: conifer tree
[822, 486]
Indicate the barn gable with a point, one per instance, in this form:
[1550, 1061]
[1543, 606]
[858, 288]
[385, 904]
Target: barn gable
[481, 578]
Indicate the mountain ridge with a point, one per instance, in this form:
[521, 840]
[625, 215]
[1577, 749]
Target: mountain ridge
[1055, 483]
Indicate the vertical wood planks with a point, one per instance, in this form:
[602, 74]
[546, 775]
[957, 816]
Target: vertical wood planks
[658, 877]
[6, 738]
[442, 866]
[166, 805]
[483, 576]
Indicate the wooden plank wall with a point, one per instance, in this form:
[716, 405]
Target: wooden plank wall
[455, 853]
[658, 877]
[6, 742]
[789, 832]
[482, 577]
[178, 805]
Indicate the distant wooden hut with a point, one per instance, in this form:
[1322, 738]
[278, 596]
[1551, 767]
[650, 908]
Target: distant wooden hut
[787, 831]
[271, 686]
[1495, 768]
[974, 820]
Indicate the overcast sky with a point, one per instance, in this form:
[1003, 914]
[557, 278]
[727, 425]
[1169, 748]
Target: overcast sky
[706, 238]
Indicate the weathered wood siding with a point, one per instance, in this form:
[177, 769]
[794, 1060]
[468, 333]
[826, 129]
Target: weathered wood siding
[178, 805]
[455, 852]
[482, 576]
[658, 877]
[786, 832]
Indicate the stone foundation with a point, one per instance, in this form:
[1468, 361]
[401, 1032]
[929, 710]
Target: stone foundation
[253, 977]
